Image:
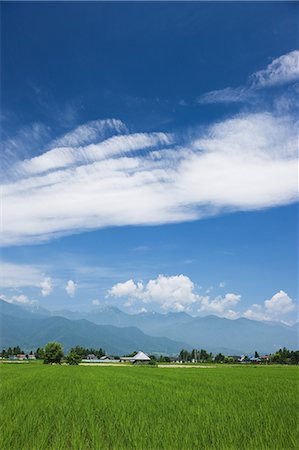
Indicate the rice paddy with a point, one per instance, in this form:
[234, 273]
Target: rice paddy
[81, 407]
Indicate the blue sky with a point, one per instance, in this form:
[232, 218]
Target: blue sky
[150, 157]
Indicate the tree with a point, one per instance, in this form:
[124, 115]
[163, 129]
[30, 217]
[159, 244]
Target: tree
[204, 356]
[81, 351]
[256, 355]
[53, 353]
[17, 350]
[219, 358]
[285, 356]
[73, 359]
[40, 353]
[185, 355]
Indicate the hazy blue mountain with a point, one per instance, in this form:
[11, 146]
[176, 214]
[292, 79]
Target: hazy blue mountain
[29, 330]
[21, 312]
[244, 335]
[212, 333]
[149, 322]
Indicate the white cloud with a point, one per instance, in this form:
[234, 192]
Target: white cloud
[276, 308]
[222, 284]
[178, 293]
[46, 287]
[279, 304]
[127, 289]
[90, 132]
[173, 292]
[19, 275]
[226, 95]
[18, 299]
[96, 302]
[63, 157]
[221, 306]
[170, 292]
[247, 162]
[71, 288]
[284, 69]
[27, 140]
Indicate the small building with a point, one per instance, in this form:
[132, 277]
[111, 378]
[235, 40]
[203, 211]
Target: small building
[91, 357]
[140, 357]
[255, 360]
[236, 358]
[21, 357]
[31, 357]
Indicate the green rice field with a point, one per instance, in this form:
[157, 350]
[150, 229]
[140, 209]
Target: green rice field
[81, 407]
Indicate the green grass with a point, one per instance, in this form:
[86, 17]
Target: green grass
[79, 407]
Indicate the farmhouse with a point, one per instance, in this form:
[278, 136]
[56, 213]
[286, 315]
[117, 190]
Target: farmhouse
[140, 357]
[91, 357]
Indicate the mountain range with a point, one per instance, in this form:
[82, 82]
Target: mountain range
[119, 333]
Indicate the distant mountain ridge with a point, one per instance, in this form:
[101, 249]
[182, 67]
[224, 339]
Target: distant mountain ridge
[31, 330]
[211, 332]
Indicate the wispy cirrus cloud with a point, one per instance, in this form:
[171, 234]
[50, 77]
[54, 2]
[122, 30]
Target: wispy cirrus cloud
[20, 275]
[226, 95]
[282, 70]
[90, 132]
[246, 162]
[65, 157]
[99, 174]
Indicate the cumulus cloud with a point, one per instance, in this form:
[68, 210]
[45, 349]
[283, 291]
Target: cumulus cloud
[96, 302]
[178, 293]
[18, 299]
[46, 287]
[221, 306]
[246, 162]
[276, 308]
[127, 289]
[282, 70]
[170, 292]
[70, 288]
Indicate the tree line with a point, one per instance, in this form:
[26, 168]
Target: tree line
[13, 351]
[53, 353]
[282, 356]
